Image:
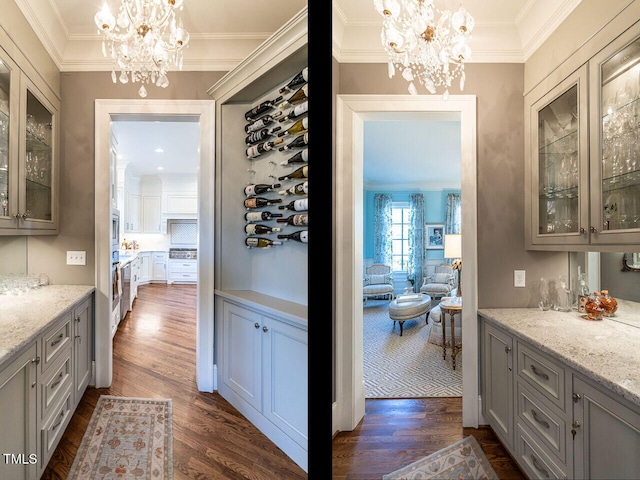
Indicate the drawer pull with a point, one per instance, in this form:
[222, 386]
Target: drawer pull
[540, 374]
[57, 340]
[53, 428]
[534, 460]
[544, 423]
[57, 382]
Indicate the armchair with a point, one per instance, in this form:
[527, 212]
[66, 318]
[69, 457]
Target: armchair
[441, 283]
[378, 281]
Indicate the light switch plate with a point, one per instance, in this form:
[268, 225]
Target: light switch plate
[75, 257]
[519, 278]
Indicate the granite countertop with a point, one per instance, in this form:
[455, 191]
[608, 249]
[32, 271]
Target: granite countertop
[24, 317]
[606, 351]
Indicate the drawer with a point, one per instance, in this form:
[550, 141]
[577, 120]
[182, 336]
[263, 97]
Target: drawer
[54, 427]
[533, 460]
[183, 277]
[55, 383]
[55, 341]
[542, 373]
[543, 421]
[191, 267]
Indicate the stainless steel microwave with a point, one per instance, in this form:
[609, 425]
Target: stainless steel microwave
[115, 229]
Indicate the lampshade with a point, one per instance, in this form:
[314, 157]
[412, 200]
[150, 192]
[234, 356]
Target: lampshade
[453, 246]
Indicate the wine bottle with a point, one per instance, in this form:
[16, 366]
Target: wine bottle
[257, 136]
[301, 126]
[257, 150]
[258, 229]
[258, 189]
[263, 122]
[299, 79]
[258, 110]
[298, 142]
[259, 202]
[299, 219]
[299, 189]
[260, 216]
[295, 112]
[300, 157]
[259, 242]
[296, 205]
[297, 98]
[302, 172]
[299, 236]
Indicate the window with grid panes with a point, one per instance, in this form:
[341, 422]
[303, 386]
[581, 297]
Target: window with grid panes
[400, 236]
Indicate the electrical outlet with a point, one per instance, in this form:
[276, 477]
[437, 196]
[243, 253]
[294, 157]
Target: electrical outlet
[519, 278]
[76, 257]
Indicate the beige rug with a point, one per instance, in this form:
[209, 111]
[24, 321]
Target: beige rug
[127, 438]
[462, 460]
[406, 366]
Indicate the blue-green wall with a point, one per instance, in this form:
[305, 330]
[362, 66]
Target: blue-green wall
[435, 203]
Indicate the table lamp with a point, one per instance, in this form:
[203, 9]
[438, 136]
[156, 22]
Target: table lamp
[453, 249]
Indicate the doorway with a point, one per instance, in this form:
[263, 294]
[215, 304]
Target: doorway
[106, 111]
[351, 112]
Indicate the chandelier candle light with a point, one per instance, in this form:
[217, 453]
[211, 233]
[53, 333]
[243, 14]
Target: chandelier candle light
[453, 249]
[144, 42]
[425, 43]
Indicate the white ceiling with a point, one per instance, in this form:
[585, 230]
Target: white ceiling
[223, 33]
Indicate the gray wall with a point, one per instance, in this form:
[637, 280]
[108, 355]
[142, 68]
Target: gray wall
[500, 137]
[77, 192]
[620, 284]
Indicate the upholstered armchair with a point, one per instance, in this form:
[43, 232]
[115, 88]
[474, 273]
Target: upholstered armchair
[441, 283]
[435, 320]
[378, 281]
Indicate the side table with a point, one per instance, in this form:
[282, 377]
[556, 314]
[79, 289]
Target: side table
[451, 309]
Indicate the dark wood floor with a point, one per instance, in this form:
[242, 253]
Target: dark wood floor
[154, 356]
[397, 432]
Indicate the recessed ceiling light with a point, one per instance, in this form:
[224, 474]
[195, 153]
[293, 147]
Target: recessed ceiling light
[160, 168]
[119, 156]
[159, 150]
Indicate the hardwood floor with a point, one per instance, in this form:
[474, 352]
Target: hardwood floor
[154, 356]
[397, 432]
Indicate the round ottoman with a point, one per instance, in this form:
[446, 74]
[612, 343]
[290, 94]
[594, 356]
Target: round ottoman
[400, 311]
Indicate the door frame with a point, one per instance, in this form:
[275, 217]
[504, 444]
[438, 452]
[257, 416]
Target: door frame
[351, 112]
[105, 110]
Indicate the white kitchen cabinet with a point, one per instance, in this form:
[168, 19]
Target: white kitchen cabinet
[132, 213]
[145, 267]
[151, 214]
[264, 374]
[18, 394]
[29, 114]
[159, 266]
[135, 279]
[183, 270]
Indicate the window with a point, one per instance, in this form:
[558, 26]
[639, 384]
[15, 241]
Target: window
[400, 236]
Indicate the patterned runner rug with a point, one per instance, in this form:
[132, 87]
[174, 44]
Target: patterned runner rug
[126, 438]
[406, 366]
[464, 460]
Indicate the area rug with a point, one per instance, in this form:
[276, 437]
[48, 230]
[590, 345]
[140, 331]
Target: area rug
[406, 366]
[462, 460]
[127, 438]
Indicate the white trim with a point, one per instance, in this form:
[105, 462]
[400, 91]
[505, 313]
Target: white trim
[351, 112]
[205, 111]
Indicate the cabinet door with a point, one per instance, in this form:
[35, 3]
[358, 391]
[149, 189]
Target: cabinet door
[615, 141]
[18, 422]
[133, 212]
[83, 321]
[497, 381]
[241, 340]
[557, 177]
[151, 214]
[145, 267]
[607, 439]
[285, 372]
[159, 266]
[9, 98]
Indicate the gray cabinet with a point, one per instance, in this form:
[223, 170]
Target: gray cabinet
[82, 347]
[19, 429]
[497, 384]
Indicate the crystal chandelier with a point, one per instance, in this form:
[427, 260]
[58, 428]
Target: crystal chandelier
[425, 43]
[144, 42]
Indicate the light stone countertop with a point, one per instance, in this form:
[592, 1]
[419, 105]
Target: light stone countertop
[24, 317]
[606, 351]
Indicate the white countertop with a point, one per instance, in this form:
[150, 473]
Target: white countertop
[606, 351]
[24, 317]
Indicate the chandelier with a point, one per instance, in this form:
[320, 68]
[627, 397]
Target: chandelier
[425, 43]
[144, 42]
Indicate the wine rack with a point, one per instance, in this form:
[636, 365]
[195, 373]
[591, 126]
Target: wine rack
[277, 155]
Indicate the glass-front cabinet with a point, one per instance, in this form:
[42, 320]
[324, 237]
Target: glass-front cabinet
[615, 142]
[28, 154]
[559, 169]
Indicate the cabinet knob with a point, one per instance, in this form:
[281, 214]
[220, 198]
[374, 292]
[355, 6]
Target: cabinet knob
[582, 231]
[264, 329]
[593, 229]
[507, 349]
[257, 325]
[36, 360]
[575, 424]
[576, 397]
[25, 216]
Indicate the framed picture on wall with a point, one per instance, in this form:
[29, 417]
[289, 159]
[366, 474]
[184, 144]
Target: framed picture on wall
[434, 237]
